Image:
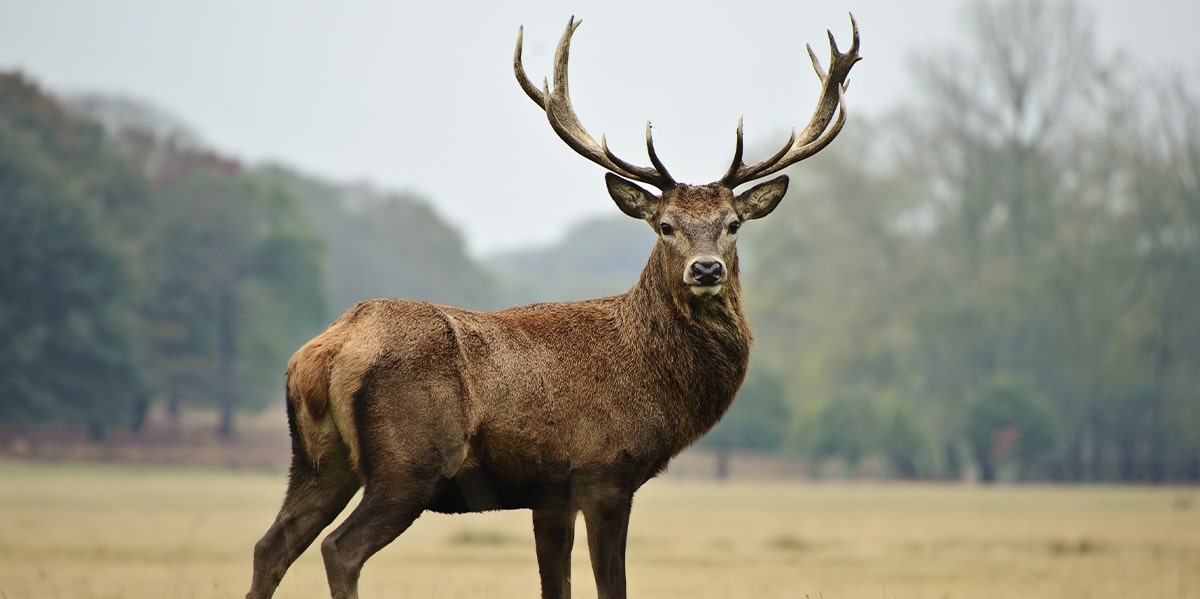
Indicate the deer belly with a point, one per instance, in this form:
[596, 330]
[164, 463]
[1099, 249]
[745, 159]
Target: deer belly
[478, 490]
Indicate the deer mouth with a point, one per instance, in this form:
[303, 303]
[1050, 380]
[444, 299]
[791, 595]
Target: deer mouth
[706, 290]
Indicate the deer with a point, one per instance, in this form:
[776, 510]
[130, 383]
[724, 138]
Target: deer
[559, 408]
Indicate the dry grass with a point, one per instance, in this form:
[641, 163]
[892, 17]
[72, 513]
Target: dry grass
[102, 531]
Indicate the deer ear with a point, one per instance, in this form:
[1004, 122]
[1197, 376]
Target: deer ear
[760, 200]
[630, 198]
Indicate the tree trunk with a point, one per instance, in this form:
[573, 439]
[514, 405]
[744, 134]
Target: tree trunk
[1097, 469]
[1127, 470]
[722, 454]
[1158, 426]
[226, 361]
[953, 463]
[987, 471]
[1074, 468]
[174, 404]
[97, 432]
[1158, 448]
[141, 407]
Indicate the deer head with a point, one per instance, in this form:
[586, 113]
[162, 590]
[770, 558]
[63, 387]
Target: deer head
[697, 224]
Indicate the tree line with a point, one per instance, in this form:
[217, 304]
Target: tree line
[140, 267]
[1000, 277]
[1005, 274]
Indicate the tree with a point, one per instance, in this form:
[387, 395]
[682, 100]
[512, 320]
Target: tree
[1008, 421]
[1159, 140]
[903, 443]
[845, 427]
[998, 134]
[67, 284]
[240, 288]
[385, 244]
[596, 257]
[234, 269]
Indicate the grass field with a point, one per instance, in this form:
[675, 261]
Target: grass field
[84, 531]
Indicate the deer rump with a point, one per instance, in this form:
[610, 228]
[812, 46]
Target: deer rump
[507, 409]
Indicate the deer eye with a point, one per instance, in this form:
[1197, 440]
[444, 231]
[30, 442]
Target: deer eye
[734, 226]
[666, 229]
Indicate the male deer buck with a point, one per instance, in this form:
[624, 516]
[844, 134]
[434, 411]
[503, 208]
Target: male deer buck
[559, 408]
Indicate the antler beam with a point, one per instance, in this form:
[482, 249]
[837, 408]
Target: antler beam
[564, 121]
[815, 137]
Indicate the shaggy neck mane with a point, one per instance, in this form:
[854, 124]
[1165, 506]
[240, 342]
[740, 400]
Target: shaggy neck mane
[698, 347]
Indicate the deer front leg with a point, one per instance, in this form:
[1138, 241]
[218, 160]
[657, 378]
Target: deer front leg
[554, 536]
[607, 520]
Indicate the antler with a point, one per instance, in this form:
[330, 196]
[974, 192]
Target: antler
[814, 138]
[565, 123]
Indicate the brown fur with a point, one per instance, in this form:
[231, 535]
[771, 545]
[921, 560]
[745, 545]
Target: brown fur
[561, 408]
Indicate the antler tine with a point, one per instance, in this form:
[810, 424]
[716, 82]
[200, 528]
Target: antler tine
[531, 90]
[564, 121]
[658, 165]
[737, 155]
[816, 62]
[814, 137]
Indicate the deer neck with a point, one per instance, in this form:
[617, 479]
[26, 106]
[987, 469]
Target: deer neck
[699, 347]
[663, 281]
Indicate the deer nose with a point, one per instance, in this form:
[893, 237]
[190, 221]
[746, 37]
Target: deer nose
[708, 272]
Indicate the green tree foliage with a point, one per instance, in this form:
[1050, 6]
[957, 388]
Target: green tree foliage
[237, 273]
[993, 135]
[1160, 329]
[68, 317]
[1008, 421]
[1031, 213]
[383, 244]
[597, 257]
[825, 270]
[140, 268]
[903, 442]
[1046, 233]
[845, 427]
[854, 425]
[830, 285]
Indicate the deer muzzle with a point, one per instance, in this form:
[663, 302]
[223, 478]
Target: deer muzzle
[705, 275]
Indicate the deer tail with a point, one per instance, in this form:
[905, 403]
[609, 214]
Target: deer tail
[314, 434]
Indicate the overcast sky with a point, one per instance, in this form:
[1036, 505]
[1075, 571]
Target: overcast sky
[421, 96]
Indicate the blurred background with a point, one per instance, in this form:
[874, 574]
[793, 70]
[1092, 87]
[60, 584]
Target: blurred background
[993, 274]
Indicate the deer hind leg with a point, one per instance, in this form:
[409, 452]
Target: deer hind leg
[313, 500]
[388, 507]
[554, 536]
